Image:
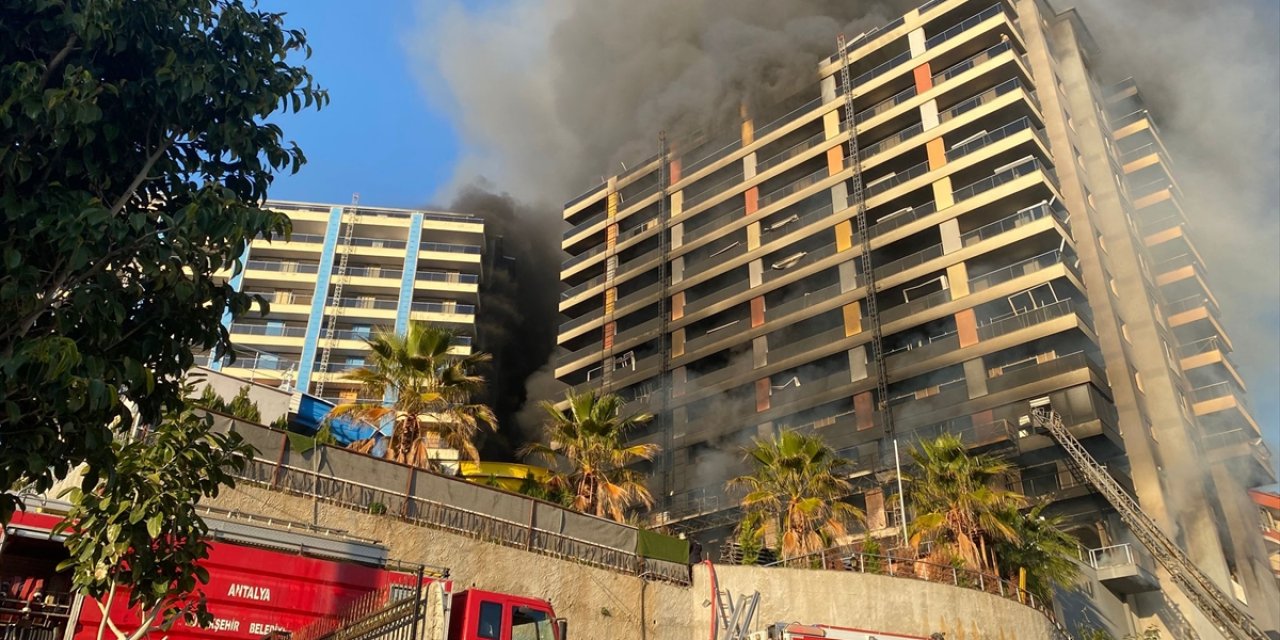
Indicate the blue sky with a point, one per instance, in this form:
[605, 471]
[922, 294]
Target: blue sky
[380, 135]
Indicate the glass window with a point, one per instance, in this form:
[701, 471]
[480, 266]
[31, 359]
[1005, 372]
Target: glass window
[530, 624]
[490, 623]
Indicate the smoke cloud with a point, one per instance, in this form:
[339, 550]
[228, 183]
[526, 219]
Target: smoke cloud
[551, 96]
[1209, 72]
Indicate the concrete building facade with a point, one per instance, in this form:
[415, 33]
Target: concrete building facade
[1026, 239]
[401, 265]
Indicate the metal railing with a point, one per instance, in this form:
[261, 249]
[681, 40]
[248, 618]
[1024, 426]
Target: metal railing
[891, 141]
[880, 186]
[761, 131]
[1025, 319]
[797, 149]
[992, 137]
[1188, 303]
[282, 267]
[1127, 119]
[802, 183]
[712, 225]
[1025, 168]
[900, 218]
[444, 307]
[275, 297]
[986, 97]
[1118, 555]
[268, 330]
[909, 261]
[585, 224]
[710, 190]
[885, 105]
[971, 62]
[1009, 223]
[965, 25]
[443, 247]
[1216, 390]
[1203, 345]
[363, 303]
[803, 301]
[1017, 270]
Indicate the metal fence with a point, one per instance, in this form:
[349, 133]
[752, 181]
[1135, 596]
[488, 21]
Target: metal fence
[431, 500]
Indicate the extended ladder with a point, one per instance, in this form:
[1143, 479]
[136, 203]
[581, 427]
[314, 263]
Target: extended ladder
[608, 362]
[664, 316]
[339, 279]
[734, 618]
[868, 270]
[1204, 594]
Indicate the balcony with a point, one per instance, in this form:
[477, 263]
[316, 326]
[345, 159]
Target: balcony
[1042, 371]
[268, 330]
[1023, 168]
[913, 307]
[451, 308]
[1017, 321]
[799, 185]
[885, 183]
[781, 351]
[987, 97]
[585, 225]
[1124, 568]
[969, 63]
[802, 302]
[992, 137]
[1018, 270]
[277, 266]
[1009, 223]
[441, 247]
[795, 150]
[965, 25]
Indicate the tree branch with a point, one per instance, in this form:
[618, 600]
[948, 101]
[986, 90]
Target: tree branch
[57, 62]
[142, 174]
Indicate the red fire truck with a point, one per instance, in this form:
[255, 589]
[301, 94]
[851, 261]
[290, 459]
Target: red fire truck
[266, 578]
[795, 631]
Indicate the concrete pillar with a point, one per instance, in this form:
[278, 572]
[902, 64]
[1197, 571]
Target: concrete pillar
[967, 328]
[923, 77]
[950, 231]
[749, 166]
[915, 40]
[762, 395]
[753, 236]
[757, 312]
[929, 115]
[677, 343]
[759, 352]
[958, 278]
[828, 88]
[864, 409]
[848, 276]
[937, 153]
[755, 272]
[677, 269]
[852, 313]
[677, 306]
[942, 193]
[858, 363]
[975, 378]
[844, 235]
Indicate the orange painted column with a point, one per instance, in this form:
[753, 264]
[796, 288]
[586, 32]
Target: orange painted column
[937, 151]
[864, 408]
[757, 311]
[762, 395]
[677, 306]
[752, 200]
[967, 328]
[610, 328]
[923, 77]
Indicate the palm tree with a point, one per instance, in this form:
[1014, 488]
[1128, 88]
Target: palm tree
[959, 503]
[589, 442]
[1043, 550]
[432, 390]
[797, 487]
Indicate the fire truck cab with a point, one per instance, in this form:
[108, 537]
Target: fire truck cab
[488, 615]
[796, 631]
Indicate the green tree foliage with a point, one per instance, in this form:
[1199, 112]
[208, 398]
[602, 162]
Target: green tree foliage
[589, 442]
[240, 406]
[136, 149]
[134, 525]
[1041, 548]
[959, 502]
[432, 388]
[797, 490]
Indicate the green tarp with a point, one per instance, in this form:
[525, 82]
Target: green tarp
[662, 547]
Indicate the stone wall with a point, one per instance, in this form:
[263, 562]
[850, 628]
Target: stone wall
[602, 604]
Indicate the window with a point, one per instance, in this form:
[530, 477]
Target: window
[530, 624]
[490, 623]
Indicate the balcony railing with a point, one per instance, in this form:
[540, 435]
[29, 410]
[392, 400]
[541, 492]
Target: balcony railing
[1017, 270]
[713, 156]
[900, 218]
[892, 141]
[885, 105]
[804, 301]
[268, 330]
[986, 97]
[723, 254]
[1177, 262]
[1010, 379]
[374, 272]
[1217, 390]
[1025, 168]
[969, 63]
[445, 247]
[710, 190]
[794, 150]
[378, 243]
[908, 262]
[779, 350]
[444, 307]
[1030, 318]
[788, 117]
[275, 297]
[719, 222]
[1201, 346]
[775, 270]
[1021, 124]
[967, 24]
[1148, 149]
[1004, 225]
[713, 297]
[913, 307]
[443, 276]
[363, 303]
[282, 267]
[586, 224]
[1188, 303]
[884, 184]
[579, 288]
[802, 183]
[1127, 119]
[881, 69]
[307, 238]
[796, 220]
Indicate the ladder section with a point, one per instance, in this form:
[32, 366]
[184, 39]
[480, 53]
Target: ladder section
[1204, 594]
[664, 317]
[348, 224]
[734, 618]
[607, 329]
[857, 200]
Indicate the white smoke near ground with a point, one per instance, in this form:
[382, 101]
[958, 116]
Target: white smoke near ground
[1210, 74]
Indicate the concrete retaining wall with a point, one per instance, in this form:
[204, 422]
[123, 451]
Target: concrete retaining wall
[604, 605]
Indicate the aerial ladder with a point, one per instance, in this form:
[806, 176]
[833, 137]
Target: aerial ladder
[858, 201]
[348, 225]
[1203, 593]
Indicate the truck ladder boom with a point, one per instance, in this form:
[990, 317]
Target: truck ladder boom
[1204, 594]
[339, 279]
[857, 200]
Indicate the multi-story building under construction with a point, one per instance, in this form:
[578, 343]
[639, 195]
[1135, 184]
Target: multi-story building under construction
[399, 265]
[1004, 226]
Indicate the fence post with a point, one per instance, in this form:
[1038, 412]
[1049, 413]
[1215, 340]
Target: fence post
[981, 583]
[528, 541]
[862, 563]
[955, 577]
[1002, 588]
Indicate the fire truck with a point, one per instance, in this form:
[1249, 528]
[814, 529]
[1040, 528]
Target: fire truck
[267, 578]
[795, 631]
